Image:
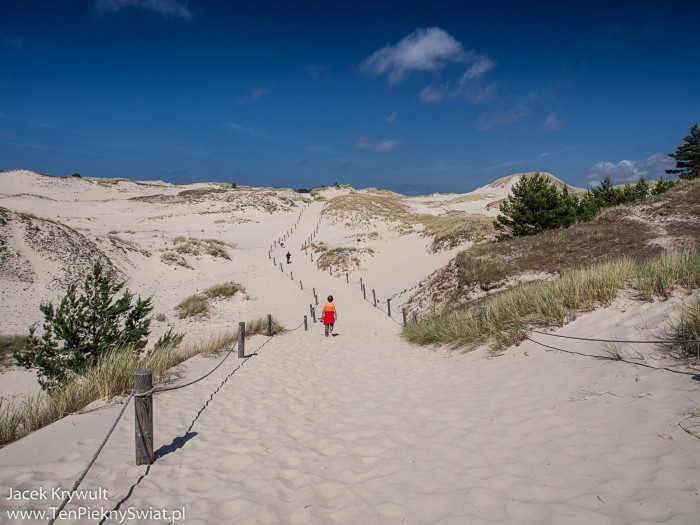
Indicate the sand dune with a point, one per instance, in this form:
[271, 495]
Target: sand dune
[361, 427]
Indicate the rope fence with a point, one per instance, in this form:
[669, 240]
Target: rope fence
[144, 410]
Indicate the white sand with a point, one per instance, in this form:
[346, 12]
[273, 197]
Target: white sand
[362, 427]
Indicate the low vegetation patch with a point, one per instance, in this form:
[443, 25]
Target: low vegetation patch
[112, 376]
[554, 303]
[364, 207]
[197, 304]
[193, 306]
[258, 326]
[8, 345]
[192, 246]
[452, 229]
[344, 259]
[196, 247]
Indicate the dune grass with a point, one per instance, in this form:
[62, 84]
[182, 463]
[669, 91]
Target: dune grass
[556, 302]
[343, 259]
[112, 376]
[258, 326]
[451, 229]
[8, 344]
[367, 206]
[196, 305]
[192, 246]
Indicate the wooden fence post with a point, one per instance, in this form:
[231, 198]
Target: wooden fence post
[313, 312]
[347, 278]
[306, 324]
[241, 340]
[374, 296]
[403, 311]
[274, 261]
[143, 409]
[291, 274]
[301, 283]
[281, 269]
[388, 307]
[269, 325]
[364, 292]
[483, 312]
[362, 286]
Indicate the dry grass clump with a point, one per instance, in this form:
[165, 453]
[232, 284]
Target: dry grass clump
[258, 326]
[169, 257]
[224, 290]
[197, 305]
[8, 344]
[193, 306]
[196, 247]
[201, 192]
[112, 376]
[192, 246]
[367, 206]
[452, 229]
[471, 197]
[344, 259]
[555, 303]
[316, 246]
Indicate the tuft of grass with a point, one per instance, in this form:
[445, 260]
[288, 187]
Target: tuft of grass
[224, 290]
[196, 305]
[161, 318]
[192, 246]
[193, 306]
[258, 326]
[343, 259]
[8, 345]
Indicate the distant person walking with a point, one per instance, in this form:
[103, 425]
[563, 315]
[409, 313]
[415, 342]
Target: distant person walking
[289, 257]
[330, 316]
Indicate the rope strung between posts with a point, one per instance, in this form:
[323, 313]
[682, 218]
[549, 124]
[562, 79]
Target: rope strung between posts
[80, 479]
[664, 368]
[297, 328]
[665, 341]
[155, 390]
[69, 496]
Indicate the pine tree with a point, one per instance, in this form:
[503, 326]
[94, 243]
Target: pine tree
[534, 206]
[84, 327]
[687, 155]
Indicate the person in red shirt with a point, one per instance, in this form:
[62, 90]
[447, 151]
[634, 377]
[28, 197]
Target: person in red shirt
[330, 316]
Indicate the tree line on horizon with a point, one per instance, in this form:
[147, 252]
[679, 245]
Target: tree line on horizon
[536, 204]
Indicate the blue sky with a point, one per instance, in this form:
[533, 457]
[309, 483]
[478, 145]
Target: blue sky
[411, 96]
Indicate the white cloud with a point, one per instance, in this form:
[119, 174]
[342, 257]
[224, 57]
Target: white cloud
[381, 146]
[428, 49]
[553, 122]
[630, 171]
[391, 117]
[432, 50]
[482, 65]
[173, 8]
[501, 119]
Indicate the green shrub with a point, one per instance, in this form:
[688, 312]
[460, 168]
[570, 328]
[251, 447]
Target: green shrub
[85, 326]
